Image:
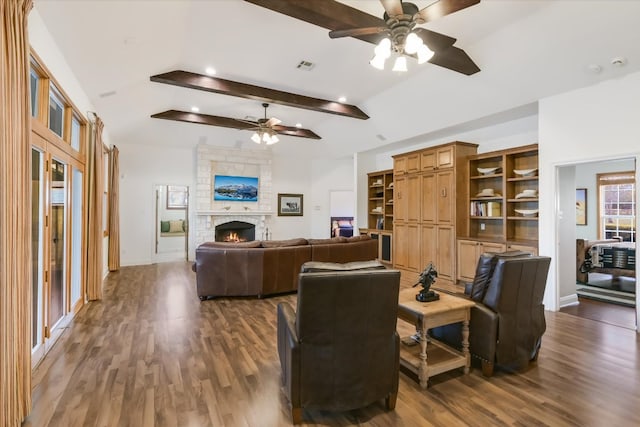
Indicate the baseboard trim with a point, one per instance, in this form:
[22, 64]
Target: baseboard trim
[569, 300]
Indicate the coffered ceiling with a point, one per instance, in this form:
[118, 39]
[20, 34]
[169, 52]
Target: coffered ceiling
[526, 49]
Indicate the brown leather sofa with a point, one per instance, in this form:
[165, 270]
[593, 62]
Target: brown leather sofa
[340, 350]
[262, 268]
[507, 322]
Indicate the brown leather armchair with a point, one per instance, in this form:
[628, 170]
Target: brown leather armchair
[507, 322]
[340, 350]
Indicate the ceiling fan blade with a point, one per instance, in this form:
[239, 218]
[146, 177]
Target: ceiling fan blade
[227, 122]
[455, 59]
[392, 7]
[354, 32]
[328, 14]
[442, 8]
[294, 131]
[272, 122]
[435, 41]
[205, 119]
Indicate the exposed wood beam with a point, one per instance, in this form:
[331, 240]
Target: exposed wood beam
[227, 122]
[258, 93]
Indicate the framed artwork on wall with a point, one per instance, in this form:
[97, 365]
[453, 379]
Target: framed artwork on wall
[235, 188]
[177, 197]
[290, 204]
[581, 206]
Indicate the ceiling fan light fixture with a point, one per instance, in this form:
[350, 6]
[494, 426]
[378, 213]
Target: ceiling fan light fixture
[256, 138]
[378, 62]
[424, 54]
[273, 140]
[383, 48]
[400, 65]
[412, 44]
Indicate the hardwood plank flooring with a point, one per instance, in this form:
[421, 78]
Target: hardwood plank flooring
[151, 354]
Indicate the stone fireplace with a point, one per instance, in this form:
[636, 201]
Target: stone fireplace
[235, 231]
[210, 214]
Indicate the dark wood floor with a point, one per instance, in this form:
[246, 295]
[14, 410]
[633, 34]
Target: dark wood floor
[151, 354]
[613, 314]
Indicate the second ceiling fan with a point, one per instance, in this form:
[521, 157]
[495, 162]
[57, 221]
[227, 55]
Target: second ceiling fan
[266, 130]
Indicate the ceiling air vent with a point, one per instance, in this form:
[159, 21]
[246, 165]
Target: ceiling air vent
[305, 65]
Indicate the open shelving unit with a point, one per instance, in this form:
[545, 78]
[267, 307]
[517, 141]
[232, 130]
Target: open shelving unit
[380, 200]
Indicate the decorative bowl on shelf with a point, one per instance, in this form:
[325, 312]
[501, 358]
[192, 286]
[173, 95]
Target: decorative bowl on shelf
[488, 171]
[530, 193]
[526, 172]
[527, 212]
[487, 192]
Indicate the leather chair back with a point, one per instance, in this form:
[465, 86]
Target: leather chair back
[349, 347]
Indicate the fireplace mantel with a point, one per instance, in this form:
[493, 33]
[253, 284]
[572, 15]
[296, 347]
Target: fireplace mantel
[234, 213]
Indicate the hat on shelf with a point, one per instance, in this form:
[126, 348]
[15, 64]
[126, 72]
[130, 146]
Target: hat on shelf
[487, 192]
[530, 193]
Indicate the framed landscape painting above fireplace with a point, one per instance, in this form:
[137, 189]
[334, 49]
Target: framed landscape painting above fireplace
[235, 188]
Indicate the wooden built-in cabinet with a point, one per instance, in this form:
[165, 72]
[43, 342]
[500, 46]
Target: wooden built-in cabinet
[502, 205]
[380, 207]
[431, 192]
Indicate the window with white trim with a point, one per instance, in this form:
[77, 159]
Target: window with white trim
[617, 205]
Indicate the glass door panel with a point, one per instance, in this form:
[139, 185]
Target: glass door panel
[58, 199]
[37, 247]
[76, 236]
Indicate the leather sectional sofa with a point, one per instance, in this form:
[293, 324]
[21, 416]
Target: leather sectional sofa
[262, 268]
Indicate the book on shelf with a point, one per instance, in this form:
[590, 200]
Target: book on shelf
[488, 209]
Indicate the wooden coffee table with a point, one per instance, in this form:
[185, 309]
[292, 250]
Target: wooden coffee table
[431, 357]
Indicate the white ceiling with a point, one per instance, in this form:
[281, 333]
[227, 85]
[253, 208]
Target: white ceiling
[526, 49]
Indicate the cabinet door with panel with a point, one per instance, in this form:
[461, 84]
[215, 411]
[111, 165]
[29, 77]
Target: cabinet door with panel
[445, 196]
[429, 211]
[401, 198]
[407, 246]
[446, 266]
[445, 157]
[413, 198]
[469, 252]
[531, 249]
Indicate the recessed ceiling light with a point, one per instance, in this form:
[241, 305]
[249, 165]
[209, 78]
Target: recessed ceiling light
[195, 109]
[211, 71]
[620, 61]
[342, 99]
[298, 125]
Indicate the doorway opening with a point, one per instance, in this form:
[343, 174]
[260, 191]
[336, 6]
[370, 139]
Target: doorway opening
[592, 283]
[171, 222]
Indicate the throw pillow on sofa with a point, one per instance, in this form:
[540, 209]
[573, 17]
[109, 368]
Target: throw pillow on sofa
[175, 226]
[164, 226]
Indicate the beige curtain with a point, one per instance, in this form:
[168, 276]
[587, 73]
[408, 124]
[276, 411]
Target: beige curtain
[114, 210]
[95, 194]
[15, 214]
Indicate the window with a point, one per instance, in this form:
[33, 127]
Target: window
[35, 84]
[617, 205]
[76, 128]
[56, 112]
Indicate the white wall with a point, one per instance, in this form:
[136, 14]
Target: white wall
[327, 175]
[595, 123]
[142, 167]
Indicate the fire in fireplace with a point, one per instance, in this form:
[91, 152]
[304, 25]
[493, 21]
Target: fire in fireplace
[235, 231]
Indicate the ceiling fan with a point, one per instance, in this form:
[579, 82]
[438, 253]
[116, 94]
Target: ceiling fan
[399, 20]
[265, 130]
